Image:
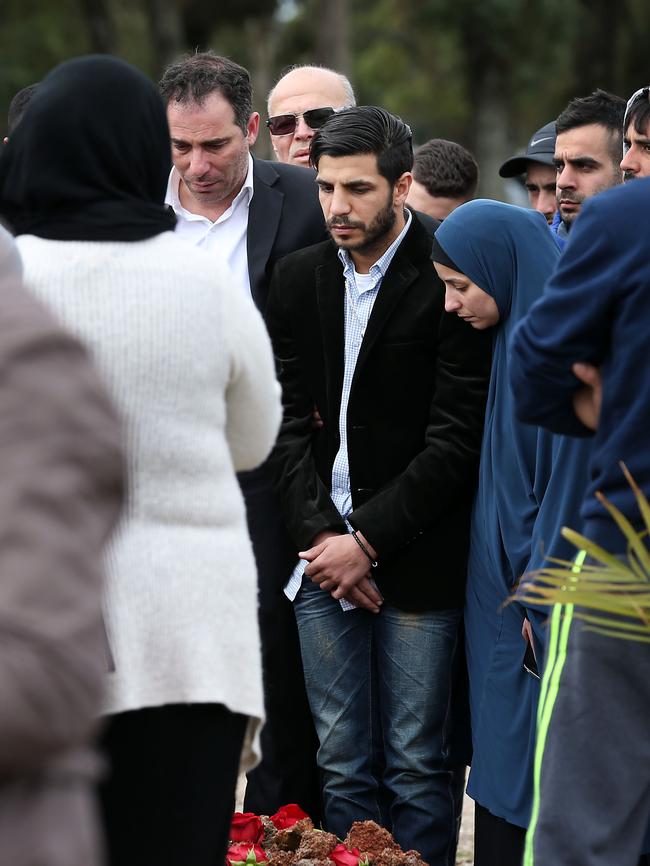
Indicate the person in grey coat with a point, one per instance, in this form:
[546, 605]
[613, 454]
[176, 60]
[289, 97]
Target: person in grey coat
[60, 493]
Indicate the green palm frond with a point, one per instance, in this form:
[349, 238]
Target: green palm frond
[611, 594]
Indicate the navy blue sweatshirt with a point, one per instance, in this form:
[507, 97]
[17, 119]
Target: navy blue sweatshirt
[596, 308]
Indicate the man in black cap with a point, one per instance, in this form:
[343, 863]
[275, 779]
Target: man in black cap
[538, 168]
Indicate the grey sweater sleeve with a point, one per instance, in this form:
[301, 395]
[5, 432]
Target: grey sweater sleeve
[60, 490]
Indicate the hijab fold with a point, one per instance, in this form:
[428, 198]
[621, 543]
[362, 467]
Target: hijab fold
[91, 157]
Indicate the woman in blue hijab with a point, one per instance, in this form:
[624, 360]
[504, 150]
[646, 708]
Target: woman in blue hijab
[494, 260]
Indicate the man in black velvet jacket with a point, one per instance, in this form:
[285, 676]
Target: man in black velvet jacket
[378, 499]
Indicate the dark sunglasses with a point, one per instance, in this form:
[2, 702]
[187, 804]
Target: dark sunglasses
[285, 124]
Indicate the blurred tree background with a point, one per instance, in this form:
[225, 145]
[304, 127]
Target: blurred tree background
[486, 74]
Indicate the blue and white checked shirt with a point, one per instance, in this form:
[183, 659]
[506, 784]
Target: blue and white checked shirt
[361, 291]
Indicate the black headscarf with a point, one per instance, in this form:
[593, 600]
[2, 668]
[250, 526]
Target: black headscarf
[91, 157]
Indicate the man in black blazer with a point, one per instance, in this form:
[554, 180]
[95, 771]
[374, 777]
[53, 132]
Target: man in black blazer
[249, 213]
[283, 216]
[377, 500]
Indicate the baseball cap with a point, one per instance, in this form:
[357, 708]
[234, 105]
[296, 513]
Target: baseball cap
[541, 148]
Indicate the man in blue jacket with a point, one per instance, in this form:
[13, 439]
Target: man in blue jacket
[593, 784]
[588, 150]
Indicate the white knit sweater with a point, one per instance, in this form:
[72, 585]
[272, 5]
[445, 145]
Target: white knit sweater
[189, 364]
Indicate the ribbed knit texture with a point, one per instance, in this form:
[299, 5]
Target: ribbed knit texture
[189, 365]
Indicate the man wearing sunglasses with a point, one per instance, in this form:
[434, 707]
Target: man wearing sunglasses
[248, 213]
[299, 104]
[636, 136]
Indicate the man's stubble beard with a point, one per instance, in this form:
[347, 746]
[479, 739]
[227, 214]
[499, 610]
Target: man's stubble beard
[382, 224]
[616, 179]
[221, 193]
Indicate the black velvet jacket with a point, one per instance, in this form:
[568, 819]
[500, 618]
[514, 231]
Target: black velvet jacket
[414, 421]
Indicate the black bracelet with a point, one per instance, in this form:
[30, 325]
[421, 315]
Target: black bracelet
[373, 562]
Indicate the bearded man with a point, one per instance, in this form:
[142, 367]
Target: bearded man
[377, 499]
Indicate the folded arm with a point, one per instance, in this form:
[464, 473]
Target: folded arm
[61, 470]
[569, 324]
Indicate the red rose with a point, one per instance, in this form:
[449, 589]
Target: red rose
[287, 816]
[343, 856]
[244, 852]
[246, 827]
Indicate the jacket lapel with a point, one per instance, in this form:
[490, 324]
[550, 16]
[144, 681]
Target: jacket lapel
[263, 221]
[330, 293]
[402, 272]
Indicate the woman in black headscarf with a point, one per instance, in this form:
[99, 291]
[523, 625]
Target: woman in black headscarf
[82, 181]
[86, 168]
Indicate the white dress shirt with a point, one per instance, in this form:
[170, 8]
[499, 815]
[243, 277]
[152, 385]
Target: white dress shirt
[226, 237]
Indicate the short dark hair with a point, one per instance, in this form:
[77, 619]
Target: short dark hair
[18, 106]
[639, 113]
[600, 107]
[366, 129]
[445, 168]
[194, 77]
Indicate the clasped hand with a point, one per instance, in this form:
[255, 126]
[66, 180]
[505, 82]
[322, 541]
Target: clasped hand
[340, 567]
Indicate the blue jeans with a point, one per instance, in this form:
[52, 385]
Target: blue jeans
[414, 655]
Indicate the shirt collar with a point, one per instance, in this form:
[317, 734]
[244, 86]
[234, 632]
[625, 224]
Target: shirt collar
[563, 229]
[173, 197]
[378, 270]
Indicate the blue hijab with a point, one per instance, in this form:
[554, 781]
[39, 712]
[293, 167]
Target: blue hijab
[521, 499]
[509, 253]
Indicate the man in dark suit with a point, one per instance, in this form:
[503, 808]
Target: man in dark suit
[378, 499]
[250, 213]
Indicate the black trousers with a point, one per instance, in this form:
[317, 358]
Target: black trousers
[496, 842]
[288, 772]
[170, 792]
